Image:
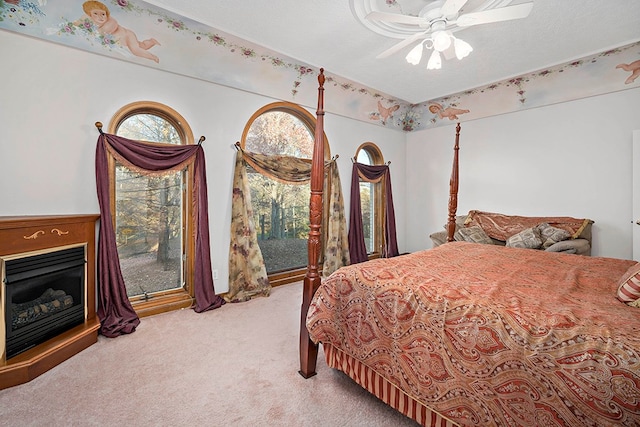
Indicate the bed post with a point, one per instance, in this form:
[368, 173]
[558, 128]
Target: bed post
[308, 349]
[453, 189]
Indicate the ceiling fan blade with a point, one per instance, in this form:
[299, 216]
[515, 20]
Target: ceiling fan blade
[394, 17]
[451, 7]
[495, 15]
[406, 42]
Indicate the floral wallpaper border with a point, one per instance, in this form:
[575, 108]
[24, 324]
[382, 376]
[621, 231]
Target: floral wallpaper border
[139, 32]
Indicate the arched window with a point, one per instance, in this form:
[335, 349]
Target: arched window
[371, 201]
[281, 209]
[152, 215]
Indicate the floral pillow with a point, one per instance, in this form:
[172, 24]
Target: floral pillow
[629, 285]
[551, 235]
[529, 238]
[474, 234]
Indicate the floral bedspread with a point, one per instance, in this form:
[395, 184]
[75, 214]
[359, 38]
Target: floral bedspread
[487, 335]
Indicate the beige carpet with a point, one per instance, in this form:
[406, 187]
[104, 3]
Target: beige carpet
[235, 366]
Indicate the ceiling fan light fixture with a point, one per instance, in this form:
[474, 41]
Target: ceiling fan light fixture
[441, 40]
[415, 55]
[462, 48]
[435, 62]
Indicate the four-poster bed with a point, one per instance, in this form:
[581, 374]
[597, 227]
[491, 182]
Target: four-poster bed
[471, 334]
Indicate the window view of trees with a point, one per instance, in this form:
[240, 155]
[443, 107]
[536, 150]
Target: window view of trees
[281, 210]
[366, 204]
[371, 200]
[149, 215]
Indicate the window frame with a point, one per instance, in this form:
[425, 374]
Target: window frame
[309, 120]
[183, 297]
[378, 195]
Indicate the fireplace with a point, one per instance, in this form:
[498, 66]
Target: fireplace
[44, 296]
[47, 293]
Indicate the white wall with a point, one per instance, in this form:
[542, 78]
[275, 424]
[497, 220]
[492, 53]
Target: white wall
[569, 159]
[52, 96]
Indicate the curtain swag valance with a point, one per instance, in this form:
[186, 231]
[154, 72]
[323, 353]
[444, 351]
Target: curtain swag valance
[247, 272]
[116, 314]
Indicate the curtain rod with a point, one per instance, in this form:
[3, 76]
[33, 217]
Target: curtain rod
[99, 126]
[353, 160]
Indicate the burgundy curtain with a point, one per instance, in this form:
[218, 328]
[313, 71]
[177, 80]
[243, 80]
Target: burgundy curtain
[357, 247]
[114, 309]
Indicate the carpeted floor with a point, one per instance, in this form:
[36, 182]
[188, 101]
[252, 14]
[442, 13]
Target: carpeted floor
[235, 366]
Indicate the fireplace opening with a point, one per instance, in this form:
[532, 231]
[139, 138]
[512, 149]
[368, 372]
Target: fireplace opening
[44, 296]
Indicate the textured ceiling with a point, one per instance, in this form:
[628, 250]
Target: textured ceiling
[326, 33]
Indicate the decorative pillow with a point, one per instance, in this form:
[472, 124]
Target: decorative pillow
[551, 235]
[529, 238]
[629, 284]
[474, 234]
[636, 303]
[460, 220]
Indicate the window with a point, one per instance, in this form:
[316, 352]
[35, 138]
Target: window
[152, 218]
[371, 201]
[281, 210]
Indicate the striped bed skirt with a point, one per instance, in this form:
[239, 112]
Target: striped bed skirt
[371, 381]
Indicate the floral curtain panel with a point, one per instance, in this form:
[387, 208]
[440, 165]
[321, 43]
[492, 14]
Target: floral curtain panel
[116, 314]
[247, 271]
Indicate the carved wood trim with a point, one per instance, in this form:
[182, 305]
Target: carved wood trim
[308, 349]
[453, 189]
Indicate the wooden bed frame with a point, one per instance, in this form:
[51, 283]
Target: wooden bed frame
[312, 279]
[362, 374]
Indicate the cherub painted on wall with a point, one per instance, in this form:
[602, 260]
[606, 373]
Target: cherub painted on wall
[99, 14]
[385, 113]
[450, 112]
[634, 67]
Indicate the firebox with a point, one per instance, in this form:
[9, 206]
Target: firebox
[44, 295]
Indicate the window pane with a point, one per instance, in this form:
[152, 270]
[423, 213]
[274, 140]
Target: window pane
[368, 213]
[147, 127]
[281, 215]
[366, 203]
[149, 215]
[277, 132]
[281, 211]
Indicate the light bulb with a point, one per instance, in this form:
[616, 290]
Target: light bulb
[435, 63]
[415, 55]
[441, 40]
[462, 48]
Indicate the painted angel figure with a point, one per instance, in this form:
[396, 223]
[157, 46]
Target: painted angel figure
[450, 112]
[634, 67]
[386, 112]
[99, 14]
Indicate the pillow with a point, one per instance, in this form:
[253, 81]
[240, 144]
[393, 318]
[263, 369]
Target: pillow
[474, 234]
[636, 303]
[529, 238]
[460, 220]
[551, 235]
[629, 284]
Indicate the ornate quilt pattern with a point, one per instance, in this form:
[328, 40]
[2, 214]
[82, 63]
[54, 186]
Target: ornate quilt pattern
[487, 335]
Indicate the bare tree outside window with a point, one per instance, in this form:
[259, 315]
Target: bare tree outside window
[372, 202]
[149, 215]
[366, 204]
[281, 211]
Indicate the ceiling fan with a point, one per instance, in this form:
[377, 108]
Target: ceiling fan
[437, 20]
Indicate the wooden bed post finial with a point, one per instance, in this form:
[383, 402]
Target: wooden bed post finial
[312, 280]
[453, 189]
